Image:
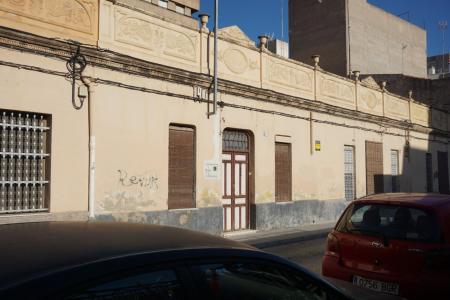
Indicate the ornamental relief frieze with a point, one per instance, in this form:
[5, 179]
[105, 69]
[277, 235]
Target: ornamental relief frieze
[141, 33]
[79, 15]
[288, 76]
[370, 99]
[236, 61]
[397, 107]
[337, 90]
[420, 113]
[439, 119]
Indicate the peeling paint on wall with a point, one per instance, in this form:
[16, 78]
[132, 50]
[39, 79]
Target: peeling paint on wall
[265, 197]
[183, 220]
[210, 198]
[297, 213]
[122, 200]
[132, 193]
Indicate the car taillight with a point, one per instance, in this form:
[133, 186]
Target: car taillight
[333, 248]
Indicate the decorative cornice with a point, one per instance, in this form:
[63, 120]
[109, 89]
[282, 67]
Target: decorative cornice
[102, 58]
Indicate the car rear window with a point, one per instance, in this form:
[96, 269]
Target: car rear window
[391, 221]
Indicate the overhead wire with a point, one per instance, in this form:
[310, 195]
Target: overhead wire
[195, 99]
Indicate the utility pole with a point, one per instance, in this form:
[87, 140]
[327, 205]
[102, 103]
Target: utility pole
[443, 27]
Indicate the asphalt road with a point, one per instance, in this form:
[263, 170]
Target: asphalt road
[308, 253]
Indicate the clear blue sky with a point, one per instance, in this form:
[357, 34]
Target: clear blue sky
[256, 17]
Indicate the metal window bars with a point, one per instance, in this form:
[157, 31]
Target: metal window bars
[23, 162]
[349, 173]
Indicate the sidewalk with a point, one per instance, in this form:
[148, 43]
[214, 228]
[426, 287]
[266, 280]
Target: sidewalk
[272, 238]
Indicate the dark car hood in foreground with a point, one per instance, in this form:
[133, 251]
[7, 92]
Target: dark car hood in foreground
[35, 248]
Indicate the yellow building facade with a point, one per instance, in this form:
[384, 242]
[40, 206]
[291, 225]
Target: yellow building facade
[132, 138]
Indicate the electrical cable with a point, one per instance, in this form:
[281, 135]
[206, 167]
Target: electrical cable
[220, 103]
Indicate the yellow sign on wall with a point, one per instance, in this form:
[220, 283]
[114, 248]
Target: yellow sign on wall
[317, 146]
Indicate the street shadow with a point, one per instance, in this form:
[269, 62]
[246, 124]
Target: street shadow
[419, 170]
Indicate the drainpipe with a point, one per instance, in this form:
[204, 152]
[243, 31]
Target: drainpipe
[316, 59]
[91, 185]
[216, 25]
[217, 140]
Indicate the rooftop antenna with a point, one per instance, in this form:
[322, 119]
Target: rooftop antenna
[282, 19]
[443, 27]
[407, 14]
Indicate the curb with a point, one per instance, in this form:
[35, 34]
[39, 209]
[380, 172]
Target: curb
[268, 242]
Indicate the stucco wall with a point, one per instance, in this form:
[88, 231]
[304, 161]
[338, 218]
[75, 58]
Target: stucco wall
[141, 88]
[319, 27]
[382, 43]
[66, 19]
[356, 35]
[28, 91]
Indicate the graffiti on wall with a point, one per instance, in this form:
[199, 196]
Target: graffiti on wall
[132, 193]
[144, 181]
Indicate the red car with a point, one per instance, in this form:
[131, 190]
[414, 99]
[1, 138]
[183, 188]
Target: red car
[395, 244]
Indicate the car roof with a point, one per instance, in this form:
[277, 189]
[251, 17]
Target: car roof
[416, 199]
[29, 249]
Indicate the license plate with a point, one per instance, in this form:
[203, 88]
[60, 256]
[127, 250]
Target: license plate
[375, 285]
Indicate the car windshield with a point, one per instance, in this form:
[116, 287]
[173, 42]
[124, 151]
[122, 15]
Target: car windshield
[391, 221]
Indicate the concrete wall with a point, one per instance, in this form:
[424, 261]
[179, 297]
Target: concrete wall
[434, 92]
[319, 27]
[23, 90]
[381, 43]
[440, 64]
[355, 35]
[148, 79]
[67, 19]
[169, 14]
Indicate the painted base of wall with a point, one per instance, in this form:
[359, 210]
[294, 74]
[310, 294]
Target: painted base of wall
[272, 216]
[202, 219]
[267, 216]
[44, 217]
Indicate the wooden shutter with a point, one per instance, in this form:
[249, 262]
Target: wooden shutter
[181, 168]
[429, 170]
[443, 172]
[374, 168]
[283, 172]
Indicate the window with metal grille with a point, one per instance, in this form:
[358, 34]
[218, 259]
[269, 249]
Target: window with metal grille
[179, 9]
[181, 167]
[429, 170]
[283, 172]
[163, 3]
[395, 171]
[24, 162]
[235, 140]
[349, 173]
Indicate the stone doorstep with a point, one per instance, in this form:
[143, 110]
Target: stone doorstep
[272, 238]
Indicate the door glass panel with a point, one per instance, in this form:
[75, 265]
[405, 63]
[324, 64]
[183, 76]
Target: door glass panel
[254, 281]
[244, 179]
[237, 179]
[228, 218]
[236, 218]
[244, 217]
[235, 140]
[149, 286]
[228, 180]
